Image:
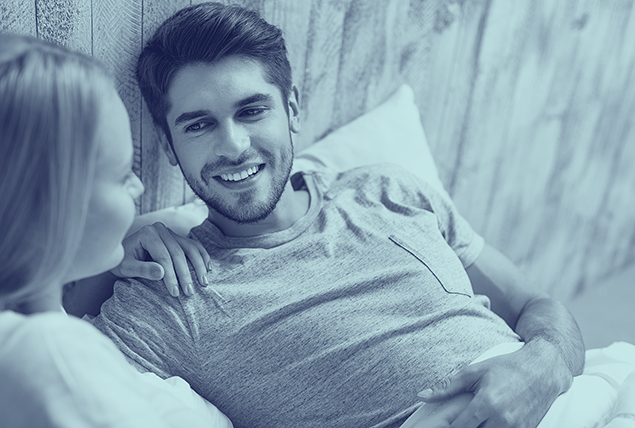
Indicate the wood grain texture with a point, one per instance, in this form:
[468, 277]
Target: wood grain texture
[547, 124]
[528, 106]
[116, 27]
[18, 16]
[294, 19]
[65, 22]
[165, 185]
[318, 79]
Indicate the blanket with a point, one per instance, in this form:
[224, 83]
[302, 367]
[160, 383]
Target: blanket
[602, 397]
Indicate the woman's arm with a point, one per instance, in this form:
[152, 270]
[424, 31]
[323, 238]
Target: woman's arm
[153, 252]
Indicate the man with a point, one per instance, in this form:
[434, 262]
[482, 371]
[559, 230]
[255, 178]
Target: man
[333, 299]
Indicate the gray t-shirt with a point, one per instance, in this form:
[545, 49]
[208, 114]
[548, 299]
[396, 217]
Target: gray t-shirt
[337, 321]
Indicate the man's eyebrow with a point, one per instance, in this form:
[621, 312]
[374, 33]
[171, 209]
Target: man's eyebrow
[255, 98]
[190, 115]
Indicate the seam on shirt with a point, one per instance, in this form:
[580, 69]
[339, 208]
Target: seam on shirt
[441, 204]
[473, 249]
[422, 259]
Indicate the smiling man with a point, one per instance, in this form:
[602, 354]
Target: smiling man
[244, 175]
[334, 298]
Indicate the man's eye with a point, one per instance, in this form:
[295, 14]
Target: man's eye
[253, 112]
[195, 127]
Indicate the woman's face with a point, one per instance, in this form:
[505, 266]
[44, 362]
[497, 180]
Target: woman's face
[111, 208]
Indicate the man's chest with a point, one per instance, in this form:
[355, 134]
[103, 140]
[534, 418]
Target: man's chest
[346, 273]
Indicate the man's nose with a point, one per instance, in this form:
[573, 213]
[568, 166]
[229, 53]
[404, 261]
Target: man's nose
[232, 142]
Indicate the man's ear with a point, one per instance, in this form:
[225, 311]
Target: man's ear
[294, 110]
[166, 146]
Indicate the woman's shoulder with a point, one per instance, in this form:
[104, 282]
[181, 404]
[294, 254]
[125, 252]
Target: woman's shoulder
[56, 369]
[16, 327]
[46, 363]
[34, 356]
[39, 343]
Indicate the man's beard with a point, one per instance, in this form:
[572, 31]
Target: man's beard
[245, 211]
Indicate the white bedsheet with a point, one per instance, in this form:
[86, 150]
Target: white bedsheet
[602, 397]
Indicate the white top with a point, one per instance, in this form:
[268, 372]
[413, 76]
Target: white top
[59, 371]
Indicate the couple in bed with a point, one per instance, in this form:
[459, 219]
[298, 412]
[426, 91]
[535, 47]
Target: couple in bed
[333, 300]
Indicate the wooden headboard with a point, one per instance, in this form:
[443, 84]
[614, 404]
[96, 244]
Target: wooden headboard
[528, 105]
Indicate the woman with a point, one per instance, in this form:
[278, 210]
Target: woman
[66, 201]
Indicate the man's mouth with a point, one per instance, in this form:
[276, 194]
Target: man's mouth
[242, 175]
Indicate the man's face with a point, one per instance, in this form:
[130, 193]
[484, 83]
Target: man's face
[231, 136]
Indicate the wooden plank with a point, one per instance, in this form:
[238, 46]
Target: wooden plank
[319, 77]
[18, 16]
[612, 240]
[391, 18]
[117, 42]
[293, 18]
[539, 153]
[528, 106]
[65, 22]
[505, 130]
[368, 72]
[444, 85]
[352, 61]
[165, 185]
[583, 172]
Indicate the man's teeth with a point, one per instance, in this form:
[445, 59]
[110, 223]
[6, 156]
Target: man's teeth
[239, 175]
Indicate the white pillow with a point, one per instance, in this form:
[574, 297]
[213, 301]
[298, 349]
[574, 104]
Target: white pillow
[391, 132]
[180, 219]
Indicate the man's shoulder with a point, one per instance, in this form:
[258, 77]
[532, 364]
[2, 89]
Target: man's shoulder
[139, 313]
[133, 299]
[375, 178]
[130, 288]
[378, 170]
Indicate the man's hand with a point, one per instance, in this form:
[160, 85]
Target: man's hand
[511, 390]
[517, 389]
[155, 252]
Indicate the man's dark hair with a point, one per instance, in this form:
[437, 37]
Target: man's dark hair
[206, 33]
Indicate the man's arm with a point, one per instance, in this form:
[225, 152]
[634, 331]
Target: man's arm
[533, 315]
[517, 389]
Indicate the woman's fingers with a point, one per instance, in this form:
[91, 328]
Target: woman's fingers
[197, 256]
[153, 242]
[133, 268]
[156, 252]
[178, 260]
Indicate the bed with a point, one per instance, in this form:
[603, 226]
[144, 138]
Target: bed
[528, 107]
[604, 396]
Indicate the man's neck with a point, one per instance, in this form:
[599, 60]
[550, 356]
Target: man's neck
[291, 207]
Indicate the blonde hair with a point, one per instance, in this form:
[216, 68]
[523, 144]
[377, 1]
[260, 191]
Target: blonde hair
[50, 101]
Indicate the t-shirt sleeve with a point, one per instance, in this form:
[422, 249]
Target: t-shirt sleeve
[150, 327]
[409, 190]
[456, 230]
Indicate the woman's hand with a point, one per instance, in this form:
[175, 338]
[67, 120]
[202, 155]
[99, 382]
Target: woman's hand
[156, 252]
